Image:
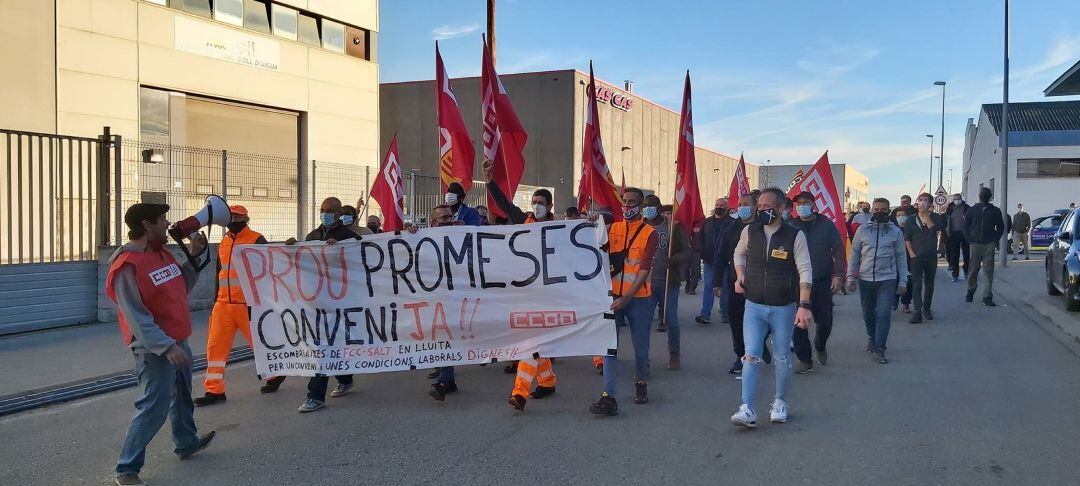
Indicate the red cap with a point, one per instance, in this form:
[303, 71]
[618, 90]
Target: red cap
[238, 210]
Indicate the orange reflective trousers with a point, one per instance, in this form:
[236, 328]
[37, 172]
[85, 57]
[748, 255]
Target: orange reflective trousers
[225, 320]
[533, 368]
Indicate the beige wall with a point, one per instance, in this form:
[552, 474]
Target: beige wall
[28, 85]
[551, 106]
[106, 49]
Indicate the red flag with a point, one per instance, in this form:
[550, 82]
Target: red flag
[504, 136]
[687, 208]
[739, 184]
[599, 187]
[819, 182]
[456, 151]
[387, 190]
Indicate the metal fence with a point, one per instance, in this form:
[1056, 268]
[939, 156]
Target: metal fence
[182, 177]
[52, 185]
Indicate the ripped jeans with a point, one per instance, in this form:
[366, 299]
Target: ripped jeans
[758, 320]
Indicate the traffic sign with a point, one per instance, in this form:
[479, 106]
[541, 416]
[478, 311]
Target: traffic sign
[940, 198]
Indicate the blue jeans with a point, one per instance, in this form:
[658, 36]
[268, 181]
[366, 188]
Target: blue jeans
[638, 313]
[877, 299]
[758, 321]
[671, 317]
[707, 296]
[164, 392]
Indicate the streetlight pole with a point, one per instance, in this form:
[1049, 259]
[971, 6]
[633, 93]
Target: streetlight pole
[1004, 137]
[930, 187]
[941, 170]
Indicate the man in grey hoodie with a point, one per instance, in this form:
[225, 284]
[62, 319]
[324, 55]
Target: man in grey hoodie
[878, 268]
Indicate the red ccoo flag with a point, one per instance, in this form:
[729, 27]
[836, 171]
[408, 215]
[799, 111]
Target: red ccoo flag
[596, 181]
[819, 182]
[687, 208]
[739, 184]
[504, 136]
[387, 190]
[456, 153]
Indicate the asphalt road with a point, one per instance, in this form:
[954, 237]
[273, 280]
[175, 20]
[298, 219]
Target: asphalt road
[979, 396]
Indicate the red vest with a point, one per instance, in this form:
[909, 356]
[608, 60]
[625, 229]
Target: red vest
[163, 291]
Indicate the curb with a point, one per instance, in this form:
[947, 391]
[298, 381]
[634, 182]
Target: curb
[1066, 325]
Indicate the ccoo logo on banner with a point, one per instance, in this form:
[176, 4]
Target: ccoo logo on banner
[440, 297]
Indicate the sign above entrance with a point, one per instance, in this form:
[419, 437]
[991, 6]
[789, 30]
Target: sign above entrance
[225, 44]
[614, 98]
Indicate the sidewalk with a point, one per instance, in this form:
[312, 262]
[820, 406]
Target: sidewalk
[44, 359]
[1023, 284]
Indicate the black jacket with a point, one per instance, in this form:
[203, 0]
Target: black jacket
[984, 224]
[337, 231]
[707, 240]
[724, 253]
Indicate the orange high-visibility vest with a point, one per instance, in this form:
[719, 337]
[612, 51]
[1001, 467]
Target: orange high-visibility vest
[229, 290]
[618, 233]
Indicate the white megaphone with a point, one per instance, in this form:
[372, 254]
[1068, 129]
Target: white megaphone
[215, 211]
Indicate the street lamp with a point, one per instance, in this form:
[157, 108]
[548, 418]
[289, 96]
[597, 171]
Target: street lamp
[941, 171]
[950, 181]
[930, 188]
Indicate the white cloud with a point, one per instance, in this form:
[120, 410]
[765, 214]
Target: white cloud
[831, 59]
[451, 31]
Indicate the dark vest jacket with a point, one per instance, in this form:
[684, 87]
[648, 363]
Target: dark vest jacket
[771, 275]
[821, 237]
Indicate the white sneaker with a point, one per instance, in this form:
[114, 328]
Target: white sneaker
[778, 413]
[745, 417]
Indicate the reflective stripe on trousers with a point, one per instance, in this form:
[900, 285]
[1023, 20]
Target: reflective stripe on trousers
[529, 369]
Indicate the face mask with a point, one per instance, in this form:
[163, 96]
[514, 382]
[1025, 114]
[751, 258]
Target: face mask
[881, 218]
[630, 212]
[744, 212]
[347, 219]
[767, 216]
[235, 228]
[901, 221]
[958, 201]
[373, 227]
[328, 219]
[649, 212]
[734, 213]
[804, 210]
[451, 199]
[865, 210]
[785, 216]
[719, 211]
[540, 211]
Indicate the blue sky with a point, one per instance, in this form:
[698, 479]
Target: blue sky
[777, 79]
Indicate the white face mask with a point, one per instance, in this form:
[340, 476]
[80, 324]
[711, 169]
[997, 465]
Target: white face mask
[451, 199]
[540, 211]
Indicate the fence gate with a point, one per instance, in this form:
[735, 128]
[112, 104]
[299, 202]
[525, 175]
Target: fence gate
[51, 224]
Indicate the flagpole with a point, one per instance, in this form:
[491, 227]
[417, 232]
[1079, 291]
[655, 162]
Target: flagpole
[670, 245]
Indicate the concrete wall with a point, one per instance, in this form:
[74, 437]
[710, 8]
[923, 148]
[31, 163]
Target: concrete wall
[200, 297]
[1041, 196]
[106, 49]
[28, 85]
[551, 105]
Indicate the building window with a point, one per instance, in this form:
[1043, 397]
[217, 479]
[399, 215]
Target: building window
[229, 11]
[284, 21]
[154, 115]
[256, 16]
[333, 36]
[308, 30]
[197, 7]
[1047, 168]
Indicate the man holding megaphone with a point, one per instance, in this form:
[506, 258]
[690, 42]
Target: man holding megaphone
[230, 313]
[150, 289]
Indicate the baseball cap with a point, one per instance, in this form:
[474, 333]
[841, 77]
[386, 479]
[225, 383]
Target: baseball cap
[238, 210]
[140, 212]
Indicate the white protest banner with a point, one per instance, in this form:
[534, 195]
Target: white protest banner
[441, 297]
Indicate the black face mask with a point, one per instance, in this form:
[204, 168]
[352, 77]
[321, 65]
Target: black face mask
[881, 218]
[767, 216]
[865, 210]
[373, 227]
[236, 228]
